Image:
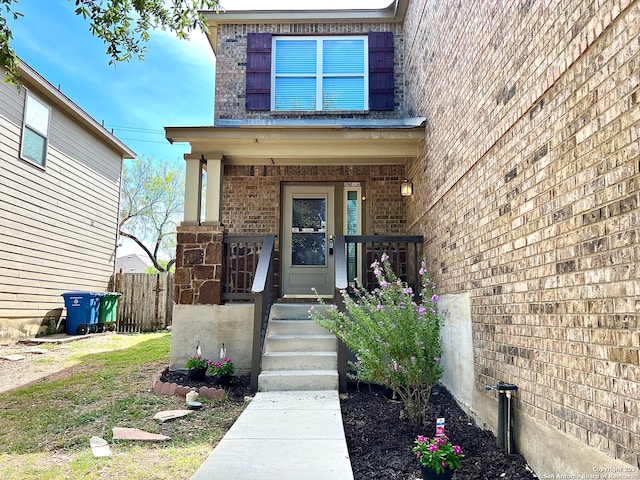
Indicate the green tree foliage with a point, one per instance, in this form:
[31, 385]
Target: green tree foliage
[123, 25]
[151, 206]
[394, 335]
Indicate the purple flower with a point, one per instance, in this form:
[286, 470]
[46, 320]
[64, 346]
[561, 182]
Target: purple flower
[407, 291]
[433, 448]
[457, 450]
[435, 298]
[444, 464]
[436, 359]
[421, 438]
[379, 307]
[422, 310]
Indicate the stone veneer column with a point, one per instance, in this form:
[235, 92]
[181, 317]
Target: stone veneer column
[198, 277]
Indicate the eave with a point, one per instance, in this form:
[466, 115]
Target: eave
[33, 80]
[393, 13]
[301, 144]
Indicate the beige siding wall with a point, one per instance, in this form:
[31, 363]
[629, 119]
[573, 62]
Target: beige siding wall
[58, 225]
[527, 195]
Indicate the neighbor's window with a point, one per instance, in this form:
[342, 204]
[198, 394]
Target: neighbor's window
[35, 132]
[320, 73]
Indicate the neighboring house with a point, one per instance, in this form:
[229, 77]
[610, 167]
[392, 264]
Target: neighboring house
[516, 124]
[59, 195]
[133, 263]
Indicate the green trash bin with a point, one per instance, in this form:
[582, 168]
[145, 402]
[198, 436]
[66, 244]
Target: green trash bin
[107, 311]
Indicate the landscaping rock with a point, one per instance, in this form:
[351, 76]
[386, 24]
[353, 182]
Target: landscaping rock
[167, 415]
[99, 447]
[123, 433]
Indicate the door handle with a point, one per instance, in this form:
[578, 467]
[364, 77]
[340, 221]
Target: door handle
[330, 244]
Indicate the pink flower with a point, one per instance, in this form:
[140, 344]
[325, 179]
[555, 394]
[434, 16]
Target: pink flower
[218, 365]
[457, 450]
[433, 448]
[421, 438]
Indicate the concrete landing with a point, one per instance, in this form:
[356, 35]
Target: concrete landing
[284, 436]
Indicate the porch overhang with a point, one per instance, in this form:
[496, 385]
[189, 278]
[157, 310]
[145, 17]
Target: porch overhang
[368, 142]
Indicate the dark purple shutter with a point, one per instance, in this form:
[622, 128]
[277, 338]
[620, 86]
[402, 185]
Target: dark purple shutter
[381, 82]
[258, 92]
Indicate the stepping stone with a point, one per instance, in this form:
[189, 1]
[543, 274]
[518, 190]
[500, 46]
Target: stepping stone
[13, 358]
[171, 414]
[123, 433]
[99, 447]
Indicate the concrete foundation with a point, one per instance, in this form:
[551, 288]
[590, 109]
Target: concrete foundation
[457, 345]
[212, 325]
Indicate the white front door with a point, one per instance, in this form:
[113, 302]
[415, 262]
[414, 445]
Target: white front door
[306, 252]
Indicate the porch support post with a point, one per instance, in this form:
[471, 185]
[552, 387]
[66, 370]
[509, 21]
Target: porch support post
[213, 208]
[192, 191]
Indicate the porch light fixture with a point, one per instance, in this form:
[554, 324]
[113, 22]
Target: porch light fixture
[406, 189]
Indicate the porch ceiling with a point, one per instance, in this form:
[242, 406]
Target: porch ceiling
[376, 143]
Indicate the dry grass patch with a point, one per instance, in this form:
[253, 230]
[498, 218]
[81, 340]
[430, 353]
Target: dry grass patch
[47, 425]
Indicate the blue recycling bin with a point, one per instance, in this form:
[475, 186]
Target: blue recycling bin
[82, 312]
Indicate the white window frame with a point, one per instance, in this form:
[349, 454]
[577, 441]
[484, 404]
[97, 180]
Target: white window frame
[36, 119]
[320, 76]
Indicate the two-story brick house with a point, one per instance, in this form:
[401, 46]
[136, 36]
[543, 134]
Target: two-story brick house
[516, 125]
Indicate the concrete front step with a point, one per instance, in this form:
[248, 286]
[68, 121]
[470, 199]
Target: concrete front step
[300, 361]
[294, 327]
[290, 310]
[303, 380]
[300, 343]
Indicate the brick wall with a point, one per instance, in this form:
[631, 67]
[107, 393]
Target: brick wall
[231, 67]
[251, 195]
[527, 195]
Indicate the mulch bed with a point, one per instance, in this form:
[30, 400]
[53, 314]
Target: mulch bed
[380, 437]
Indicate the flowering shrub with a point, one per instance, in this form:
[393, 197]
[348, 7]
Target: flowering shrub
[437, 453]
[396, 340]
[219, 369]
[197, 361]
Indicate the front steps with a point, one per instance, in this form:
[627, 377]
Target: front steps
[298, 354]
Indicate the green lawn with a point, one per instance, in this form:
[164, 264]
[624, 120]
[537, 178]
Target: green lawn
[46, 427]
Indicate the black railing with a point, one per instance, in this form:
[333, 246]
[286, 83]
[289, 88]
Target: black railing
[263, 295]
[353, 256]
[241, 254]
[360, 251]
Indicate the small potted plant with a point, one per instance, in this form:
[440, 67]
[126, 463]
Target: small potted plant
[221, 371]
[197, 366]
[437, 456]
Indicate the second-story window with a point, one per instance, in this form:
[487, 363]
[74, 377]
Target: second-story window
[35, 131]
[319, 74]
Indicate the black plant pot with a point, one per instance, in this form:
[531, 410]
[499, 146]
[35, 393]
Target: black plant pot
[222, 380]
[430, 474]
[197, 373]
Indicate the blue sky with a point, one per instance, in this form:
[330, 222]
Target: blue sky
[172, 86]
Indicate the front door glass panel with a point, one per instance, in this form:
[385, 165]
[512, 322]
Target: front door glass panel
[308, 232]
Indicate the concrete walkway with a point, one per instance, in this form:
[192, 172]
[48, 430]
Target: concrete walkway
[284, 436]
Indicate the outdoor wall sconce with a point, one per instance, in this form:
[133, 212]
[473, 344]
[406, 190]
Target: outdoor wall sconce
[406, 189]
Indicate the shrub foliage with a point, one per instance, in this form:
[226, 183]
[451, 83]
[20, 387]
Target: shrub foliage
[394, 335]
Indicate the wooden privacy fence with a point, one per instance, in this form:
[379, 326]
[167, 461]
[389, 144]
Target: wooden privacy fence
[146, 304]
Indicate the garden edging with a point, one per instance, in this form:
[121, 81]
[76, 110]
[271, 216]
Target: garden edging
[165, 388]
